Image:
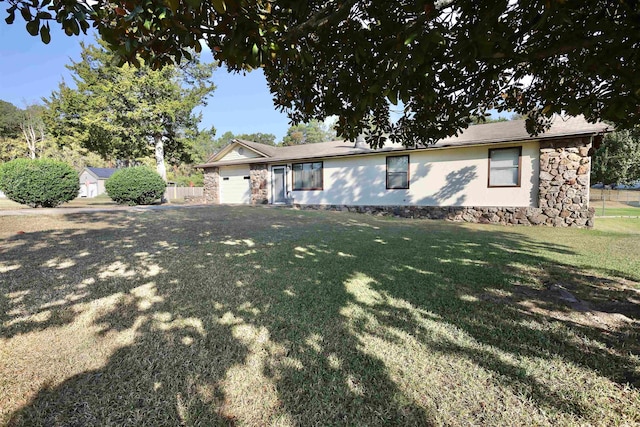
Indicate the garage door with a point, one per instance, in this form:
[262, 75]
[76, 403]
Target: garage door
[235, 185]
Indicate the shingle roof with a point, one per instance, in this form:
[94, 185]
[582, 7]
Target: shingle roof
[268, 150]
[102, 173]
[510, 131]
[514, 130]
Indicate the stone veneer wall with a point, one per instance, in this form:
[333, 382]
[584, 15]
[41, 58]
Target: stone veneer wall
[212, 185]
[259, 174]
[563, 188]
[480, 214]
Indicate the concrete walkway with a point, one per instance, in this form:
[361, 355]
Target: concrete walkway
[66, 211]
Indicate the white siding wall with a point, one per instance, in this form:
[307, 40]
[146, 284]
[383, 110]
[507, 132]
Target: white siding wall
[447, 177]
[86, 177]
[235, 154]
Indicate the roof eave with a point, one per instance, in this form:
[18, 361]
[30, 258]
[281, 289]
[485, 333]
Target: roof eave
[242, 142]
[403, 149]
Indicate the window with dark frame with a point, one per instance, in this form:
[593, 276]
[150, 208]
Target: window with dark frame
[504, 167]
[397, 172]
[307, 176]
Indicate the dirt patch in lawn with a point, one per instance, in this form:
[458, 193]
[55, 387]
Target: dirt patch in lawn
[588, 301]
[558, 300]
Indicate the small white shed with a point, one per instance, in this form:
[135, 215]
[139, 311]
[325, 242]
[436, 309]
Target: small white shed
[92, 181]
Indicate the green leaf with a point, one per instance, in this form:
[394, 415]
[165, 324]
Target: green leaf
[44, 15]
[147, 24]
[405, 97]
[173, 5]
[12, 17]
[75, 27]
[392, 96]
[219, 6]
[411, 38]
[33, 27]
[26, 13]
[45, 35]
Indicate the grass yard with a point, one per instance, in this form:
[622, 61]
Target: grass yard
[258, 316]
[616, 208]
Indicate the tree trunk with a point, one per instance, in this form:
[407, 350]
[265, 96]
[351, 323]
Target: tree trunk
[33, 130]
[30, 138]
[160, 167]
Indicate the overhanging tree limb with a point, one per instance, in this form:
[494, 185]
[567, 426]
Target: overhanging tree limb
[442, 60]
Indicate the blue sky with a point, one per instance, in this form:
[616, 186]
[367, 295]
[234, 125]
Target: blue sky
[30, 70]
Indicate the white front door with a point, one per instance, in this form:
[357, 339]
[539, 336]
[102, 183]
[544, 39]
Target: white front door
[235, 185]
[279, 184]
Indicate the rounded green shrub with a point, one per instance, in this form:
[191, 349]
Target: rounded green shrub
[135, 186]
[39, 183]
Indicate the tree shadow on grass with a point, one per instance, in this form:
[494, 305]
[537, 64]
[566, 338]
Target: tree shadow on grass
[258, 316]
[190, 334]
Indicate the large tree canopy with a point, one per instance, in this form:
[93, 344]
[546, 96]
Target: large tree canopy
[308, 133]
[21, 127]
[617, 160]
[126, 112]
[10, 118]
[439, 61]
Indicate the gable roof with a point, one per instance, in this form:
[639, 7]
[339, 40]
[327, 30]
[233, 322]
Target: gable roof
[267, 150]
[263, 150]
[102, 173]
[490, 133]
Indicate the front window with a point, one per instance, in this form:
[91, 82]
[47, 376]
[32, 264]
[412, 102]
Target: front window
[397, 172]
[504, 167]
[307, 176]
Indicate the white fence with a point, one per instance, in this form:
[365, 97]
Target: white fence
[179, 193]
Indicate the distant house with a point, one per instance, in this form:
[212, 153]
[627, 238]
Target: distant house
[92, 181]
[494, 172]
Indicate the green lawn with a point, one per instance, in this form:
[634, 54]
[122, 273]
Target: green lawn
[615, 208]
[262, 316]
[630, 211]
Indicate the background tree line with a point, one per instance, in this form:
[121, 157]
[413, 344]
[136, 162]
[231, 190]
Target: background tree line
[118, 116]
[36, 131]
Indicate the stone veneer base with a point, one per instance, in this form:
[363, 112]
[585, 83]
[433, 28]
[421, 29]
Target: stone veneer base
[483, 215]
